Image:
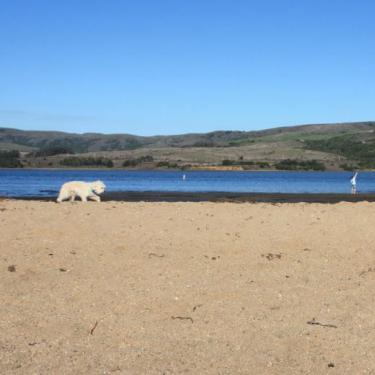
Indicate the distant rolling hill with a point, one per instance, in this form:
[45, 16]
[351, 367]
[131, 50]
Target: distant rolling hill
[334, 146]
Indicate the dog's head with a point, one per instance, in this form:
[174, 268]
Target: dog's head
[98, 187]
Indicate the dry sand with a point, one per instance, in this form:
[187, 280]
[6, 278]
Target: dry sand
[199, 288]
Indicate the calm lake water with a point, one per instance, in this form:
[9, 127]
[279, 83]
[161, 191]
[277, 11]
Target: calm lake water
[27, 182]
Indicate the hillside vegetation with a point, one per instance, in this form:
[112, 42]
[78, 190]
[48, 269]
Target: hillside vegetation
[305, 147]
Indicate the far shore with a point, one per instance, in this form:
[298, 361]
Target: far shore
[193, 169]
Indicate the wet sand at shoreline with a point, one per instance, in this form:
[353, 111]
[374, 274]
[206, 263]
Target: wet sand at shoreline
[187, 287]
[174, 196]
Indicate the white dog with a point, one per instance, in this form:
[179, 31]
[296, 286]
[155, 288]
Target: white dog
[81, 189]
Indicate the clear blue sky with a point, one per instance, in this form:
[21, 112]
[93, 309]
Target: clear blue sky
[176, 66]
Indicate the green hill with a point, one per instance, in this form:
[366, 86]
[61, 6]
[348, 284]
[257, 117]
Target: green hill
[334, 146]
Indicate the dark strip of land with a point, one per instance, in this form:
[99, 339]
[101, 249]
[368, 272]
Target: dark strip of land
[131, 196]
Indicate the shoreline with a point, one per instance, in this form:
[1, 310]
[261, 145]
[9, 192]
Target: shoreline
[158, 196]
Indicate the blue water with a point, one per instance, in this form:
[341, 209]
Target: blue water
[28, 182]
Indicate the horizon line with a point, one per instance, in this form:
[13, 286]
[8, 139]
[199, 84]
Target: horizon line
[194, 133]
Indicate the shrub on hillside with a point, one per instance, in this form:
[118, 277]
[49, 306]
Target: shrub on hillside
[295, 165]
[53, 150]
[349, 146]
[227, 162]
[10, 159]
[89, 161]
[136, 161]
[167, 164]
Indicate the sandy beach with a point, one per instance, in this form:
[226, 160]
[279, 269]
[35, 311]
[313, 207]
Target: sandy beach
[187, 287]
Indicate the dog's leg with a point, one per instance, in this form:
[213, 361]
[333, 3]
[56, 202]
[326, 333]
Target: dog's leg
[62, 196]
[94, 197]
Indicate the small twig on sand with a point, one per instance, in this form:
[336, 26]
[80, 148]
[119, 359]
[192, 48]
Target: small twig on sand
[93, 328]
[182, 318]
[156, 255]
[314, 322]
[367, 271]
[271, 256]
[195, 307]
